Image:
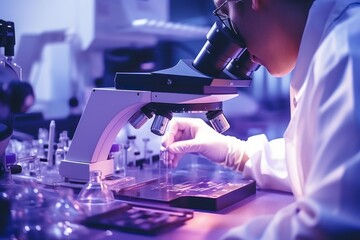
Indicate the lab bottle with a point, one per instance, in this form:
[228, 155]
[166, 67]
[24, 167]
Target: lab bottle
[59, 154]
[64, 140]
[43, 137]
[133, 153]
[146, 147]
[147, 151]
[62, 148]
[116, 153]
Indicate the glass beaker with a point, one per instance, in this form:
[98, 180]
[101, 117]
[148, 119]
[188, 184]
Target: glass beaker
[95, 196]
[95, 191]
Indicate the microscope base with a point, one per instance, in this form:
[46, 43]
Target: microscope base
[83, 169]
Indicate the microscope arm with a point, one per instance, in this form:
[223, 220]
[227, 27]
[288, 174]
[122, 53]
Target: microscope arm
[106, 112]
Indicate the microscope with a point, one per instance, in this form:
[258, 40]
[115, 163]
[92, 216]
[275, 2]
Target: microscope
[7, 41]
[201, 85]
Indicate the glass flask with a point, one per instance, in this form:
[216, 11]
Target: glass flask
[95, 191]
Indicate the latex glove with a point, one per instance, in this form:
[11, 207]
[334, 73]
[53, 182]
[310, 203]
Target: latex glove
[193, 135]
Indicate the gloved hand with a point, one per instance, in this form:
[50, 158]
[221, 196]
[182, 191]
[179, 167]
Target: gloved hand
[193, 135]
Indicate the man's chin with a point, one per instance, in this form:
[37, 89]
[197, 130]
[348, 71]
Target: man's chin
[278, 71]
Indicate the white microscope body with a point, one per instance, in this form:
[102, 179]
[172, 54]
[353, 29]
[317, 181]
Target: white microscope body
[107, 111]
[221, 67]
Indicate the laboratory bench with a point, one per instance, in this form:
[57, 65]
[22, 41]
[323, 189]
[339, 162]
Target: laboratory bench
[200, 224]
[212, 225]
[197, 223]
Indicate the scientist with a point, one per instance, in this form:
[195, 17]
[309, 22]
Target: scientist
[319, 157]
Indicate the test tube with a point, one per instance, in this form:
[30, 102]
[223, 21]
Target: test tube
[50, 155]
[120, 162]
[146, 147]
[165, 169]
[148, 154]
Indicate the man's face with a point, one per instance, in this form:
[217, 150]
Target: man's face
[271, 32]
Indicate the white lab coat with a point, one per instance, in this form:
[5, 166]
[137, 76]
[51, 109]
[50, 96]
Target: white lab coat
[322, 141]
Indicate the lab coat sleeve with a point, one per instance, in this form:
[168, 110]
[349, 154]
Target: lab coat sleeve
[266, 164]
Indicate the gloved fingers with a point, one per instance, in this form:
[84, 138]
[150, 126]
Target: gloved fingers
[174, 159]
[167, 139]
[169, 158]
[186, 146]
[171, 134]
[179, 129]
[171, 137]
[182, 123]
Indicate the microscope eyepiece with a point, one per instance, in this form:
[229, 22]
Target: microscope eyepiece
[224, 50]
[221, 47]
[242, 66]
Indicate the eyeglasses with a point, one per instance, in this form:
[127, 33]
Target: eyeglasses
[225, 19]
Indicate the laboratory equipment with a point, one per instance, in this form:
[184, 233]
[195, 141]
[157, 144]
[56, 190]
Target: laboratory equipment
[95, 191]
[61, 147]
[60, 153]
[165, 169]
[16, 96]
[115, 153]
[203, 189]
[5, 135]
[132, 153]
[39, 213]
[7, 41]
[29, 217]
[50, 153]
[182, 88]
[186, 87]
[140, 219]
[65, 217]
[82, 40]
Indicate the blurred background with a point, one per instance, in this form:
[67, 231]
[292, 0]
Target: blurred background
[65, 48]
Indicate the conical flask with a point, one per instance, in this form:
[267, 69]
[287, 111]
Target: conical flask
[95, 191]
